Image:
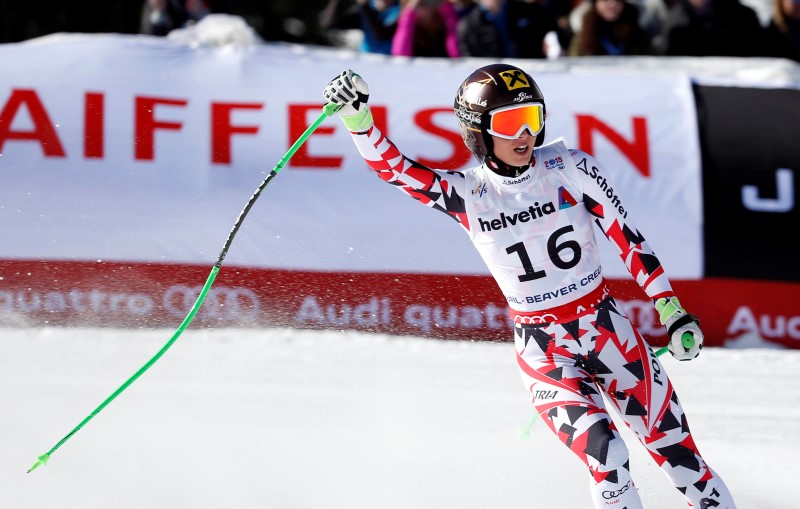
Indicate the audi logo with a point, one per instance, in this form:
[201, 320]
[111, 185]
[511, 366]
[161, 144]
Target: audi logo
[221, 303]
[615, 494]
[535, 319]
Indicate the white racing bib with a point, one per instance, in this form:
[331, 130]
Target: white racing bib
[533, 232]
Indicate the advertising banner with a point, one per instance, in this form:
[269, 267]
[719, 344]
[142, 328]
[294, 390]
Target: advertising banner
[36, 293]
[139, 149]
[126, 160]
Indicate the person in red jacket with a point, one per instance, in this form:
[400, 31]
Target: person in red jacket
[531, 210]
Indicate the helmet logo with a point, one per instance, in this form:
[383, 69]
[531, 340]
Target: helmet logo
[471, 95]
[473, 117]
[514, 79]
[522, 96]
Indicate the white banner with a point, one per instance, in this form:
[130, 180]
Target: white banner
[139, 149]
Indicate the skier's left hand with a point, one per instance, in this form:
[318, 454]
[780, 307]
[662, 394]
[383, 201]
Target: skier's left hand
[683, 329]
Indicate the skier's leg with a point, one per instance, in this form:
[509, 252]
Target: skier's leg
[569, 402]
[650, 407]
[669, 441]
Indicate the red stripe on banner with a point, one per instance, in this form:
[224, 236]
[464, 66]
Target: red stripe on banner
[117, 294]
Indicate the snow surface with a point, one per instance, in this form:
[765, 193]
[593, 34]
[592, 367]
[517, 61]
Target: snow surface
[288, 419]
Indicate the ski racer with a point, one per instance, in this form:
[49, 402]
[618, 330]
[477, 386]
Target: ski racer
[530, 210]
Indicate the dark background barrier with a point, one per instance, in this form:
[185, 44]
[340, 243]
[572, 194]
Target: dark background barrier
[273, 20]
[750, 140]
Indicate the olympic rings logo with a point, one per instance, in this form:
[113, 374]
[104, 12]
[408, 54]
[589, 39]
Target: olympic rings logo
[221, 303]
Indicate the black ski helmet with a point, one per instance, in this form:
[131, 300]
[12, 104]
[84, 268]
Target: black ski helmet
[490, 87]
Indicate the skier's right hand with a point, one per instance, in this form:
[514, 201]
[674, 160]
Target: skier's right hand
[350, 93]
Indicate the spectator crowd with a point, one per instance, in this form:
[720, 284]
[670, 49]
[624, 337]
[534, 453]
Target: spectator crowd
[452, 28]
[555, 28]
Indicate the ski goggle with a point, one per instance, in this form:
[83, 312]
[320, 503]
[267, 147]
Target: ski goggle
[509, 121]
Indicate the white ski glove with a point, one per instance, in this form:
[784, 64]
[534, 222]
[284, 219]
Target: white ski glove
[350, 92]
[683, 329]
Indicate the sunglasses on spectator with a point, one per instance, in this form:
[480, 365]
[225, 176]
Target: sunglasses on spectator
[510, 121]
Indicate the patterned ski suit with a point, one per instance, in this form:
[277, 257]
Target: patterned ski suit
[573, 343]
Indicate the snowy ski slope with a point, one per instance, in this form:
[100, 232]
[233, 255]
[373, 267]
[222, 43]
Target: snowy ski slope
[290, 419]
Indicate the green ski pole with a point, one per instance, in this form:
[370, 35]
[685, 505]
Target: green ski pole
[328, 110]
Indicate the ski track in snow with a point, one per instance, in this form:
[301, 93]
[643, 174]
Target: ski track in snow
[289, 419]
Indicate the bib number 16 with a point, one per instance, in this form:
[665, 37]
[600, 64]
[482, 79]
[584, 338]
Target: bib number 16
[569, 249]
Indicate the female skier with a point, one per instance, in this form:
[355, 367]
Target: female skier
[529, 210]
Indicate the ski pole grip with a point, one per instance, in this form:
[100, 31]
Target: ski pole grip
[687, 340]
[680, 322]
[331, 108]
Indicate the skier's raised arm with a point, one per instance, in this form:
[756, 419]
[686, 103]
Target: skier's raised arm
[438, 189]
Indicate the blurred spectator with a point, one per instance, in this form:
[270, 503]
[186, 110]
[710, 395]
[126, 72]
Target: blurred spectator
[196, 10]
[713, 28]
[784, 29]
[159, 17]
[426, 28]
[652, 18]
[376, 19]
[462, 7]
[506, 29]
[610, 27]
[560, 11]
[483, 32]
[530, 22]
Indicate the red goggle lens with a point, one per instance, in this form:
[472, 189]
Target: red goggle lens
[510, 122]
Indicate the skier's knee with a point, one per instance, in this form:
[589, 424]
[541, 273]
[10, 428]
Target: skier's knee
[618, 455]
[607, 448]
[611, 484]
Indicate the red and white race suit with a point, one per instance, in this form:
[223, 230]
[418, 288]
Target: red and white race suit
[535, 233]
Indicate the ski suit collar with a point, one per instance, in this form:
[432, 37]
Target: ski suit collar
[525, 178]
